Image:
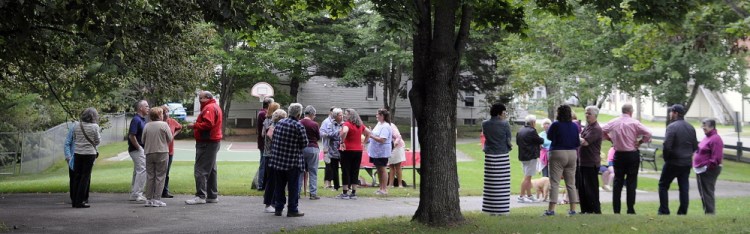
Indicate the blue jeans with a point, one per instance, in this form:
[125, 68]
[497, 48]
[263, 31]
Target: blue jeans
[261, 171]
[310, 155]
[286, 179]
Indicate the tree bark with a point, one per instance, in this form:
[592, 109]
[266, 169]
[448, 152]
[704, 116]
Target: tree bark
[433, 98]
[552, 100]
[294, 83]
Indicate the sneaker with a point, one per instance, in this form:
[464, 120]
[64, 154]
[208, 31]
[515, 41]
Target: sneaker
[548, 213]
[524, 200]
[269, 209]
[139, 198]
[314, 197]
[532, 199]
[381, 192]
[295, 214]
[168, 195]
[607, 188]
[196, 200]
[212, 200]
[158, 203]
[353, 196]
[149, 203]
[343, 196]
[572, 212]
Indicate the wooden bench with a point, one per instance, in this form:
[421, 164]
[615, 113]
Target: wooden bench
[648, 155]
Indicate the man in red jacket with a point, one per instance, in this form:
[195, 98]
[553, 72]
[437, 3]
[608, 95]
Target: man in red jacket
[207, 133]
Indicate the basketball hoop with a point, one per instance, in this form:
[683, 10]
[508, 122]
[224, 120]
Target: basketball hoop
[262, 90]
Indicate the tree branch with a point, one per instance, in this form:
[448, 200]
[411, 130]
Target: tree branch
[741, 12]
[50, 28]
[467, 14]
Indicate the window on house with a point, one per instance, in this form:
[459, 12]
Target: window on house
[470, 121]
[371, 92]
[538, 94]
[468, 98]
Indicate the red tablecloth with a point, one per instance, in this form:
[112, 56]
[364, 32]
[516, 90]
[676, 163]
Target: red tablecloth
[366, 160]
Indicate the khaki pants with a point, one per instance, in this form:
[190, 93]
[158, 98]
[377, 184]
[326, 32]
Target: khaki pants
[156, 169]
[562, 163]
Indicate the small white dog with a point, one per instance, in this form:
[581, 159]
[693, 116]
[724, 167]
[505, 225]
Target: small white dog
[542, 188]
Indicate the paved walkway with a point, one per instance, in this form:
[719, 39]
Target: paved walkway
[112, 213]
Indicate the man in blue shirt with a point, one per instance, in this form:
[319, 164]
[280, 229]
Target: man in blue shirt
[135, 149]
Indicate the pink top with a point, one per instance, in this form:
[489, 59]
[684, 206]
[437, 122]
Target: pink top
[397, 140]
[710, 151]
[624, 132]
[611, 154]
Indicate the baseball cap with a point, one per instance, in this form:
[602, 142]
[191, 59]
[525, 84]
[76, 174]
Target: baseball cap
[678, 108]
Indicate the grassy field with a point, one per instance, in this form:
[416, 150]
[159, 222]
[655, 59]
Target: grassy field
[115, 177]
[729, 219]
[235, 177]
[471, 174]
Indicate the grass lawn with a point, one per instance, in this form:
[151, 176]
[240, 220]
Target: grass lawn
[235, 177]
[471, 174]
[729, 219]
[115, 177]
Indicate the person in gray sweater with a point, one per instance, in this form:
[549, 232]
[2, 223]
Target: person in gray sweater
[679, 145]
[86, 138]
[156, 138]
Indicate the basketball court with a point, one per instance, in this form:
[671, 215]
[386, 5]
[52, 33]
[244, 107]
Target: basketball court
[184, 150]
[229, 151]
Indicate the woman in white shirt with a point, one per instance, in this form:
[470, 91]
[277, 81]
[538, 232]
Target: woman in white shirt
[379, 147]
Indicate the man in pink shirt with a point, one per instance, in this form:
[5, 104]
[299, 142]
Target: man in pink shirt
[624, 133]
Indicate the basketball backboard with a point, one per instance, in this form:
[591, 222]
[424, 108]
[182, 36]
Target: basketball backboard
[261, 90]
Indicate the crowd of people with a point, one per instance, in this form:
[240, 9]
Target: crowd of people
[289, 156]
[288, 141]
[568, 150]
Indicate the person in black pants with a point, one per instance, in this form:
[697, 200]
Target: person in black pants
[624, 132]
[587, 175]
[86, 137]
[679, 145]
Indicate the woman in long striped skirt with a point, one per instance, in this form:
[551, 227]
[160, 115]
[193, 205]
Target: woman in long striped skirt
[496, 130]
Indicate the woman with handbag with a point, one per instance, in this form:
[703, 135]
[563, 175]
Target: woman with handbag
[86, 137]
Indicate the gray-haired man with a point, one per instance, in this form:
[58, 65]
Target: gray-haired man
[289, 140]
[135, 149]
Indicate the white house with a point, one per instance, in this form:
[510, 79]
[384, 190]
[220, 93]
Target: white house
[324, 92]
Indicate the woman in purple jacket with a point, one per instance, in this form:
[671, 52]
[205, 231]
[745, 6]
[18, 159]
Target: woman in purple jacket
[707, 164]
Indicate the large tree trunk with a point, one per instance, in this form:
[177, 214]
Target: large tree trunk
[433, 99]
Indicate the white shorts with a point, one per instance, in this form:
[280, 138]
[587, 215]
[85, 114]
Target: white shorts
[397, 155]
[529, 167]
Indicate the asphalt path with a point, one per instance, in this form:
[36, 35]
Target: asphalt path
[113, 213]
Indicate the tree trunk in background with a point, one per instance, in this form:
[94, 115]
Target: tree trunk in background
[294, 83]
[552, 102]
[437, 50]
[396, 76]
